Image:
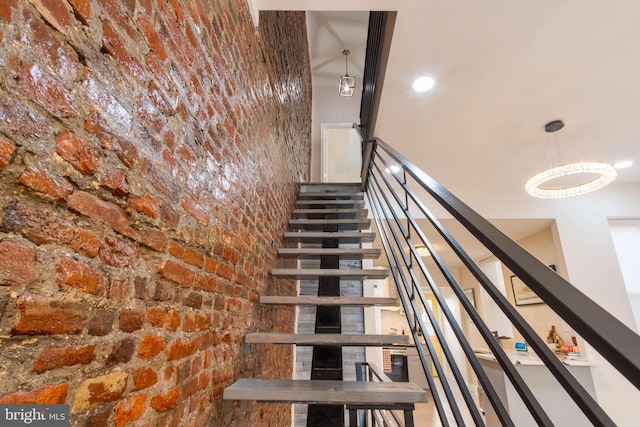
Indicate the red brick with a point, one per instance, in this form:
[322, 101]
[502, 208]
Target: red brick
[16, 263]
[182, 348]
[6, 9]
[99, 390]
[190, 322]
[157, 316]
[169, 215]
[43, 227]
[155, 239]
[55, 12]
[43, 182]
[193, 300]
[121, 351]
[150, 346]
[151, 35]
[160, 101]
[116, 182]
[59, 57]
[176, 273]
[117, 253]
[119, 290]
[225, 270]
[130, 409]
[77, 153]
[174, 320]
[191, 207]
[46, 91]
[101, 323]
[204, 283]
[109, 107]
[211, 265]
[165, 402]
[127, 152]
[147, 204]
[116, 48]
[42, 316]
[106, 212]
[193, 257]
[56, 357]
[186, 154]
[131, 320]
[81, 276]
[176, 249]
[82, 10]
[204, 321]
[6, 150]
[48, 395]
[144, 378]
[21, 120]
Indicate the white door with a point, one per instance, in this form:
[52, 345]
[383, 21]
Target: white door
[341, 153]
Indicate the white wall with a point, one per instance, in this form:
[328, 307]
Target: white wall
[626, 239]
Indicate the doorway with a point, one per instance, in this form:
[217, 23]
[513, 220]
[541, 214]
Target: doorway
[341, 153]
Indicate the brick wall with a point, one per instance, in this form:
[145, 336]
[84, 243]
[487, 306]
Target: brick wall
[149, 151]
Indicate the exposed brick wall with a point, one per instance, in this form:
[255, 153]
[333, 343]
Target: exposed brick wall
[149, 154]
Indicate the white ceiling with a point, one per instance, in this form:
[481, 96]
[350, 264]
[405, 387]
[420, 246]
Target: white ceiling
[503, 69]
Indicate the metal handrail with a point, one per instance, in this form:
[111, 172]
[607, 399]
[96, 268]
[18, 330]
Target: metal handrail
[366, 371]
[610, 337]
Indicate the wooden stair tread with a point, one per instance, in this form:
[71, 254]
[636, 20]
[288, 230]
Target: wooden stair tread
[329, 202]
[330, 221]
[309, 273]
[329, 211]
[325, 392]
[341, 301]
[318, 236]
[352, 195]
[358, 340]
[340, 252]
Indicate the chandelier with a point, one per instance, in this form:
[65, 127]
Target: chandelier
[604, 175]
[347, 83]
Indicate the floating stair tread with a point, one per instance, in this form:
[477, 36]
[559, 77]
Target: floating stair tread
[353, 195]
[329, 221]
[317, 252]
[359, 212]
[329, 202]
[325, 392]
[318, 236]
[341, 301]
[310, 273]
[327, 339]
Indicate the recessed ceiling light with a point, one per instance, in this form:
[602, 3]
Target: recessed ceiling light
[423, 84]
[623, 164]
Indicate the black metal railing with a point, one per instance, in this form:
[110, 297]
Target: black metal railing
[375, 417]
[398, 192]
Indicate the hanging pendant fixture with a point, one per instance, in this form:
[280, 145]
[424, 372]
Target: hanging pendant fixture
[347, 83]
[604, 175]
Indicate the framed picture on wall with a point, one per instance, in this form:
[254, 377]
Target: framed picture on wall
[522, 294]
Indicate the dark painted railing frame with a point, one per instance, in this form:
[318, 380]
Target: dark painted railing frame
[610, 337]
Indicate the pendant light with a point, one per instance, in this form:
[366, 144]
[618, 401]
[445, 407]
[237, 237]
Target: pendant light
[347, 83]
[604, 175]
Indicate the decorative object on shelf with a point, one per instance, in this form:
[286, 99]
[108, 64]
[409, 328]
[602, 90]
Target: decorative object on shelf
[347, 83]
[604, 172]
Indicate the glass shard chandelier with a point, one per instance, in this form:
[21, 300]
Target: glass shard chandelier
[604, 175]
[347, 83]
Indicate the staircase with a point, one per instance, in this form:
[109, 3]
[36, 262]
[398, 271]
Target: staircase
[330, 218]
